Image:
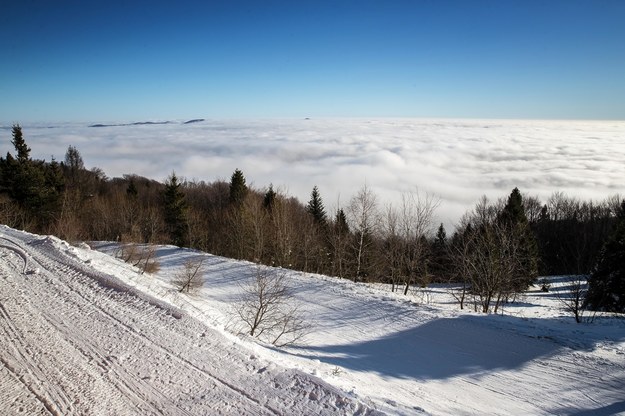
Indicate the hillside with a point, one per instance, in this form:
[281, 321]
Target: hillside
[88, 334]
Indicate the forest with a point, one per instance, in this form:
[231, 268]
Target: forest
[498, 248]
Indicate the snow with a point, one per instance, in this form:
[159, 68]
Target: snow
[89, 334]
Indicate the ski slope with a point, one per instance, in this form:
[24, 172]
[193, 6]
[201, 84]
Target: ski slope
[76, 341]
[88, 334]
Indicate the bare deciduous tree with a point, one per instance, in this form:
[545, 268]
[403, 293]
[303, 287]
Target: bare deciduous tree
[487, 256]
[365, 219]
[415, 224]
[190, 277]
[268, 311]
[573, 294]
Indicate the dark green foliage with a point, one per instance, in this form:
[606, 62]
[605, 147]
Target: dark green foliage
[74, 166]
[606, 285]
[269, 199]
[23, 151]
[175, 212]
[440, 254]
[571, 234]
[131, 189]
[315, 207]
[340, 222]
[514, 220]
[238, 188]
[36, 186]
[513, 212]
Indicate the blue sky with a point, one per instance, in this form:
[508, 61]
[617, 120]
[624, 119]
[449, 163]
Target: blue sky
[121, 60]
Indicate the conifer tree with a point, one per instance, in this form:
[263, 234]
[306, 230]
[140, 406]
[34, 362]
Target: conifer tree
[341, 222]
[238, 188]
[440, 252]
[606, 285]
[36, 186]
[315, 207]
[269, 199]
[514, 220]
[23, 151]
[131, 189]
[175, 211]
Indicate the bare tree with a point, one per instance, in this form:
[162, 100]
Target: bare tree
[573, 294]
[415, 224]
[488, 257]
[190, 277]
[267, 309]
[365, 219]
[392, 246]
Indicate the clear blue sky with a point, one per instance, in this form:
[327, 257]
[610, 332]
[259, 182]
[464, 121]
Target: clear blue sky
[132, 60]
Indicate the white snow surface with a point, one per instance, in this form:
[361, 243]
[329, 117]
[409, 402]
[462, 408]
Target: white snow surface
[85, 333]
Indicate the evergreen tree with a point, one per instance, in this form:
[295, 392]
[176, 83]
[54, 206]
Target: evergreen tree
[315, 207]
[131, 189]
[35, 185]
[238, 188]
[514, 219]
[341, 222]
[269, 199]
[175, 212]
[74, 166]
[606, 285]
[441, 237]
[23, 151]
[440, 256]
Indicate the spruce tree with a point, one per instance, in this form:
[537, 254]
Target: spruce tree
[440, 253]
[131, 189]
[269, 199]
[175, 212]
[606, 285]
[315, 207]
[238, 188]
[514, 220]
[23, 151]
[34, 185]
[341, 222]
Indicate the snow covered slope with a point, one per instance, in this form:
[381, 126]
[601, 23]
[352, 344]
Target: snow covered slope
[79, 341]
[87, 334]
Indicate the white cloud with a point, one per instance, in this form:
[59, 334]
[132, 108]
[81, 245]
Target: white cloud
[457, 160]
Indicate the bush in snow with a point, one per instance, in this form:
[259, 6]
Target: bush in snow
[191, 277]
[267, 310]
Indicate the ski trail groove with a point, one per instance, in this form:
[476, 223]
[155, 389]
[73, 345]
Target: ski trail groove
[81, 341]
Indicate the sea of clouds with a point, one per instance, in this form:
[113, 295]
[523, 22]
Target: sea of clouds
[458, 161]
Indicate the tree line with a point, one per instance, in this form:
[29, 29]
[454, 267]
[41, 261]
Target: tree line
[497, 250]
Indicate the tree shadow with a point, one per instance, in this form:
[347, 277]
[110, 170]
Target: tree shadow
[607, 410]
[444, 348]
[438, 349]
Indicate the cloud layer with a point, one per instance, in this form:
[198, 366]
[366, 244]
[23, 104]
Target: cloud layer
[456, 160]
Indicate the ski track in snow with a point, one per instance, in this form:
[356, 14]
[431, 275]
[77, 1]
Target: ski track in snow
[419, 354]
[78, 341]
[84, 333]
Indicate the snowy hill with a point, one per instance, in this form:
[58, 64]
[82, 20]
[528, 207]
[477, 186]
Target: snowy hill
[85, 333]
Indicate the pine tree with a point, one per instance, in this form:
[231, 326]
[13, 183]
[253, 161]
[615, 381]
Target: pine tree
[175, 212]
[238, 188]
[315, 207]
[606, 285]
